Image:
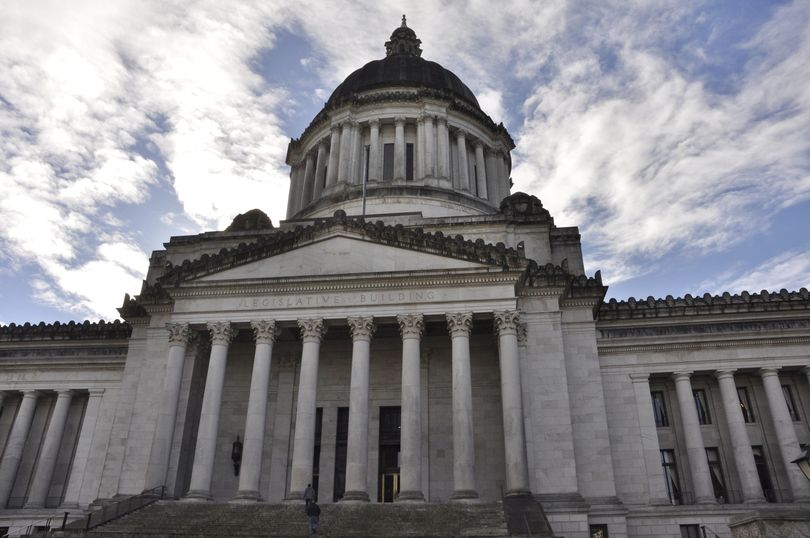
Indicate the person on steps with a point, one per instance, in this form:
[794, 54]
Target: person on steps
[313, 513]
[309, 494]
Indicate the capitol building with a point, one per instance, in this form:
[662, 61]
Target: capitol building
[413, 333]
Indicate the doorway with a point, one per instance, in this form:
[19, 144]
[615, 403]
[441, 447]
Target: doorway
[388, 475]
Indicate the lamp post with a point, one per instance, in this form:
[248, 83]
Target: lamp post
[803, 462]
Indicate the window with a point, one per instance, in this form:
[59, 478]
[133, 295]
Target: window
[716, 472]
[791, 405]
[702, 405]
[691, 531]
[474, 188]
[659, 409]
[366, 159]
[671, 476]
[745, 405]
[409, 162]
[764, 475]
[599, 531]
[388, 162]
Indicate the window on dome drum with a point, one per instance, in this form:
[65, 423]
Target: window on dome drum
[659, 409]
[702, 406]
[716, 471]
[764, 474]
[475, 179]
[671, 476]
[745, 405]
[691, 531]
[791, 404]
[366, 159]
[388, 162]
[599, 531]
[409, 162]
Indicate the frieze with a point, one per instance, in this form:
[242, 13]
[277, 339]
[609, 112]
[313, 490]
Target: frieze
[704, 328]
[59, 353]
[321, 300]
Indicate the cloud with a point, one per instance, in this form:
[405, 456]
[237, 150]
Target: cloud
[789, 270]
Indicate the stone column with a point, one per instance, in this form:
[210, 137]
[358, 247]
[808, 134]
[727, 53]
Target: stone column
[357, 443]
[312, 332]
[203, 469]
[459, 326]
[16, 443]
[292, 198]
[517, 473]
[430, 147]
[656, 484]
[320, 168]
[743, 455]
[443, 144]
[785, 434]
[419, 173]
[46, 463]
[334, 156]
[357, 147]
[411, 327]
[179, 337]
[492, 167]
[308, 181]
[251, 470]
[481, 169]
[463, 166]
[76, 478]
[374, 150]
[345, 152]
[399, 149]
[693, 438]
[505, 181]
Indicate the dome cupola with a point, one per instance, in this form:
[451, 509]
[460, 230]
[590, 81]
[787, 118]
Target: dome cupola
[399, 135]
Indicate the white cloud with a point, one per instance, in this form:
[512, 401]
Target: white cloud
[789, 270]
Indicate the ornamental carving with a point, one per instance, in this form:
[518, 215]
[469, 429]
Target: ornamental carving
[102, 330]
[506, 322]
[178, 333]
[221, 332]
[411, 325]
[521, 332]
[264, 331]
[459, 324]
[312, 330]
[362, 328]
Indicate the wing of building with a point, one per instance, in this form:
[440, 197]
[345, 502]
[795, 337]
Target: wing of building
[412, 332]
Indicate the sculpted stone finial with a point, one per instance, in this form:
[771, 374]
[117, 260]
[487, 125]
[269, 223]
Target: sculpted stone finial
[179, 334]
[459, 324]
[312, 330]
[506, 322]
[362, 328]
[411, 325]
[264, 331]
[221, 332]
[404, 24]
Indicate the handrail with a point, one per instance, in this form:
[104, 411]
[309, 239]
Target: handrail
[30, 527]
[117, 509]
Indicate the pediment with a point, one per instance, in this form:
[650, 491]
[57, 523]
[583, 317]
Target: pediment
[340, 255]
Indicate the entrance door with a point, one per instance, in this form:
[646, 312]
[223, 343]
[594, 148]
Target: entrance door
[388, 476]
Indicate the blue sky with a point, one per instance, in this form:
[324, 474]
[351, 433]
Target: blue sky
[676, 134]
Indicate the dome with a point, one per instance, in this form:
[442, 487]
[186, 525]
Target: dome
[403, 67]
[401, 70]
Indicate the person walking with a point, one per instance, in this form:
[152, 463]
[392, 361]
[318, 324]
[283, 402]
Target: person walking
[309, 494]
[313, 513]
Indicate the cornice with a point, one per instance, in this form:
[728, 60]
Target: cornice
[696, 346]
[102, 330]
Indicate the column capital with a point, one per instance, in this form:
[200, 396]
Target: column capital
[221, 332]
[478, 144]
[459, 324]
[30, 393]
[60, 393]
[399, 119]
[264, 331]
[335, 128]
[640, 377]
[411, 325]
[725, 373]
[362, 328]
[96, 393]
[506, 322]
[312, 330]
[769, 371]
[461, 133]
[682, 375]
[441, 118]
[179, 335]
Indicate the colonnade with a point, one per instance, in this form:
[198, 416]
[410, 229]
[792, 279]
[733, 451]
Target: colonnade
[362, 329]
[45, 466]
[699, 473]
[340, 159]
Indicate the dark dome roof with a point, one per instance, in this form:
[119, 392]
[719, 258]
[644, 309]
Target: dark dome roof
[401, 70]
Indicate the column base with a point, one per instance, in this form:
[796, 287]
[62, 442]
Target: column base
[801, 499]
[410, 496]
[755, 500]
[294, 497]
[355, 497]
[198, 495]
[35, 506]
[464, 496]
[519, 492]
[246, 497]
[705, 500]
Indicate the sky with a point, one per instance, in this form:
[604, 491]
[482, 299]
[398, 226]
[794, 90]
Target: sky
[675, 134]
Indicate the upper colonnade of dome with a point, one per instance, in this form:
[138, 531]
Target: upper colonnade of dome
[408, 130]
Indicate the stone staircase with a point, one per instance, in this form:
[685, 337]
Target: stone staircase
[173, 518]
